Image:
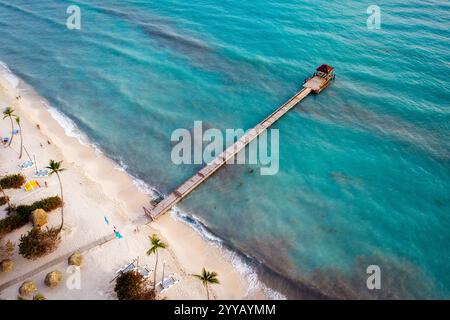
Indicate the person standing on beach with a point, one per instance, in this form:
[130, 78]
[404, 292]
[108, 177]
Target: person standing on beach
[117, 233]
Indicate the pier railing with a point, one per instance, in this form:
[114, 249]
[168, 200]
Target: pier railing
[183, 190]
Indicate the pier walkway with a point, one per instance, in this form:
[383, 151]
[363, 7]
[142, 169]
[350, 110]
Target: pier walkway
[182, 191]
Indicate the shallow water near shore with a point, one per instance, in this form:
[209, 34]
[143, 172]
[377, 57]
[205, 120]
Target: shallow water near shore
[364, 167]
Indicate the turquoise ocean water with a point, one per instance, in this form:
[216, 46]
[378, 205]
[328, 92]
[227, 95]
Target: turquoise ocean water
[364, 167]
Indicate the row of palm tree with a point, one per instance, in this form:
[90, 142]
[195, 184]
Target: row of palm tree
[9, 113]
[206, 277]
[54, 166]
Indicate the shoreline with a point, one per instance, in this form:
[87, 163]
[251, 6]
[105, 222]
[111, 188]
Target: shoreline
[129, 194]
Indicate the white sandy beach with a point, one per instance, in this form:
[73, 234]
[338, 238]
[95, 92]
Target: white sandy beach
[95, 187]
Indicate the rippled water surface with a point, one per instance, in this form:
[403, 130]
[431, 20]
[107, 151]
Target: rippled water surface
[364, 167]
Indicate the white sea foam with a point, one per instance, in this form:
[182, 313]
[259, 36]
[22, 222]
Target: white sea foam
[72, 130]
[139, 183]
[7, 74]
[197, 224]
[70, 127]
[254, 283]
[238, 262]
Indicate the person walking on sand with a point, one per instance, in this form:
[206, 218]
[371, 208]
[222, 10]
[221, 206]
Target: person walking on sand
[117, 233]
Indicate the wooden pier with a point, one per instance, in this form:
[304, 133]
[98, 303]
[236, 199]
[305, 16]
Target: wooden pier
[182, 191]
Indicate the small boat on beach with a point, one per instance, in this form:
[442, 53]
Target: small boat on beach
[320, 79]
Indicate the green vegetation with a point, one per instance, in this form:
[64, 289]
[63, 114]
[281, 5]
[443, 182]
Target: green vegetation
[38, 243]
[13, 181]
[11, 223]
[132, 285]
[20, 215]
[47, 204]
[4, 200]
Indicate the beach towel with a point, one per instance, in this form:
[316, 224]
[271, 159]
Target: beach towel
[31, 185]
[118, 235]
[106, 220]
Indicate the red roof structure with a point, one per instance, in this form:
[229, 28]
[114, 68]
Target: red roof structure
[325, 68]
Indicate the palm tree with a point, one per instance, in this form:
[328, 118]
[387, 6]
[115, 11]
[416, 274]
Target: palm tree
[21, 137]
[55, 167]
[207, 278]
[9, 113]
[156, 245]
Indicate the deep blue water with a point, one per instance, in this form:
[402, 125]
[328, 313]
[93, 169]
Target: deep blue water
[364, 167]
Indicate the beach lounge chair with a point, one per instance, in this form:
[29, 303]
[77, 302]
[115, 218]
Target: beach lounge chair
[145, 271]
[168, 282]
[126, 268]
[26, 165]
[41, 173]
[31, 185]
[129, 267]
